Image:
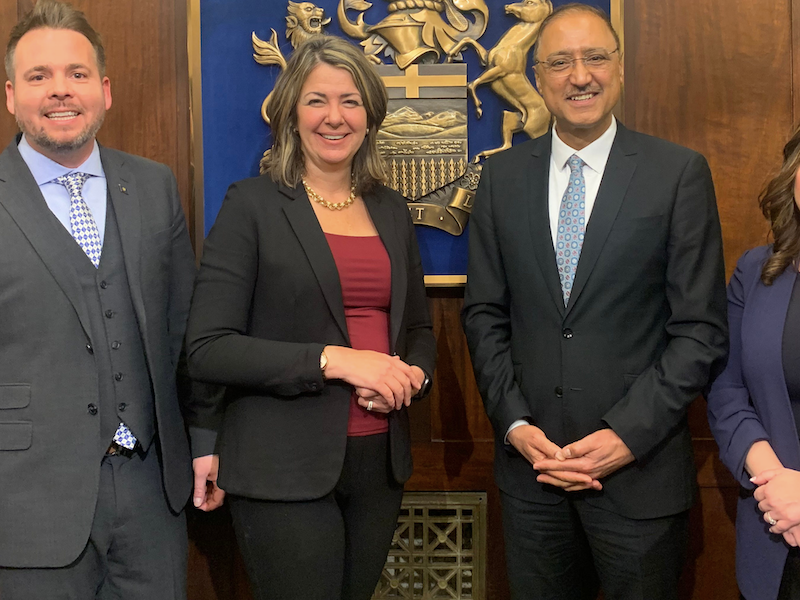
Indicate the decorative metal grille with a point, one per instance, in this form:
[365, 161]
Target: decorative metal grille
[439, 548]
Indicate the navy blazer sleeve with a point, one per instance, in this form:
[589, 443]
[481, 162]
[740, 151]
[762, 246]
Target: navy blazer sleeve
[731, 415]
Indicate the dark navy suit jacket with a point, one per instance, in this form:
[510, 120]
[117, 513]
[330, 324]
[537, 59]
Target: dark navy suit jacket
[749, 402]
[643, 327]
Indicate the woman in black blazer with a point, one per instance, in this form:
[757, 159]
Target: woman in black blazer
[310, 307]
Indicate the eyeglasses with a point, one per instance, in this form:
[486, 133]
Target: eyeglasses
[596, 61]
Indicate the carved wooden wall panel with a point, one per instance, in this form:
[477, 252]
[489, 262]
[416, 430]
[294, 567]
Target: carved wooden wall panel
[8, 16]
[719, 81]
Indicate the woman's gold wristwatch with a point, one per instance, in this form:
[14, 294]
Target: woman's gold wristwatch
[323, 362]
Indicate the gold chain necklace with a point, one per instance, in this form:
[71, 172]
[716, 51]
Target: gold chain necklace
[330, 205]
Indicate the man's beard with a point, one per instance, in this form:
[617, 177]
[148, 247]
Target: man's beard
[43, 140]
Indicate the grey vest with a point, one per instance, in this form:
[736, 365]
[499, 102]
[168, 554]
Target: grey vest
[126, 393]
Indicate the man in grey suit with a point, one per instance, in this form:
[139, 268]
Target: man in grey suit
[594, 311]
[96, 274]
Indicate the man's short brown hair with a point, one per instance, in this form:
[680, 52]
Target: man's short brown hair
[54, 15]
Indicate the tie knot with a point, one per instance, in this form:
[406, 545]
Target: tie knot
[73, 182]
[575, 163]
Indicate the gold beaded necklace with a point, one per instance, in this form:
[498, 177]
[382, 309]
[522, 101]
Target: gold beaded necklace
[330, 205]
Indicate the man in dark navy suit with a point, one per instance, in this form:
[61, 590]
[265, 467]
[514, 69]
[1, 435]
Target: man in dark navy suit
[594, 310]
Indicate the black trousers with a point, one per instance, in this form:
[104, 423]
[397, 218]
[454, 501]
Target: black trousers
[137, 548]
[568, 550]
[325, 549]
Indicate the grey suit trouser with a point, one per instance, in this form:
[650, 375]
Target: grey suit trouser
[137, 549]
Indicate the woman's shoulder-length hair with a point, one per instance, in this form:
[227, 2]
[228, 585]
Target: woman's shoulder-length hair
[778, 204]
[286, 162]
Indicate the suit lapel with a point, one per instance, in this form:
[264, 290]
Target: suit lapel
[127, 210]
[762, 329]
[304, 222]
[22, 199]
[613, 186]
[539, 216]
[387, 227]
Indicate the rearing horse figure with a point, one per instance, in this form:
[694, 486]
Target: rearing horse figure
[505, 72]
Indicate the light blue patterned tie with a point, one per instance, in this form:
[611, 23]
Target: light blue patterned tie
[84, 228]
[85, 232]
[124, 437]
[571, 226]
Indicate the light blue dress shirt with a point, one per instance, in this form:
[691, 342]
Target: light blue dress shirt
[45, 171]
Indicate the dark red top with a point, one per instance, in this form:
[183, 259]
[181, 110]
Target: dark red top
[365, 274]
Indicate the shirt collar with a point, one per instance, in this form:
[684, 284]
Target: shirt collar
[595, 155]
[45, 170]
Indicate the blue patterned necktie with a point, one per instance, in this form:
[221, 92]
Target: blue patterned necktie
[571, 226]
[84, 228]
[124, 437]
[85, 232]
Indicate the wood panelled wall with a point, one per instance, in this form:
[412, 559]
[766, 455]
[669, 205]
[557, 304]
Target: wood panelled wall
[710, 75]
[718, 78]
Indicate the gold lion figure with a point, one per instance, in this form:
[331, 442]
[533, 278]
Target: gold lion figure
[304, 21]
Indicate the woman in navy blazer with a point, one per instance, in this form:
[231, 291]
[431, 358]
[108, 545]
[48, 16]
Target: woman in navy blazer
[750, 404]
[310, 308]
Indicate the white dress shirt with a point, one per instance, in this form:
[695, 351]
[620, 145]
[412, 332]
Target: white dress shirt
[595, 155]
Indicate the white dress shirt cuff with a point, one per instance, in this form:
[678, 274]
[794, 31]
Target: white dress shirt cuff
[514, 425]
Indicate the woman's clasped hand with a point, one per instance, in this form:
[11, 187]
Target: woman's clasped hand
[778, 496]
[380, 379]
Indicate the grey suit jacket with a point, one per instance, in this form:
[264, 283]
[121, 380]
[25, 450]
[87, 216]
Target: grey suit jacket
[644, 324]
[50, 442]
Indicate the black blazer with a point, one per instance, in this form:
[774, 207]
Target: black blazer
[267, 301]
[645, 320]
[51, 445]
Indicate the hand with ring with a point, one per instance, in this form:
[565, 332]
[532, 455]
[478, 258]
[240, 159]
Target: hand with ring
[389, 381]
[372, 401]
[778, 497]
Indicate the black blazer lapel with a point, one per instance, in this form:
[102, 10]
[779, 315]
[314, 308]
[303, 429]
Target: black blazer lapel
[616, 178]
[306, 227]
[125, 200]
[21, 197]
[387, 226]
[538, 174]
